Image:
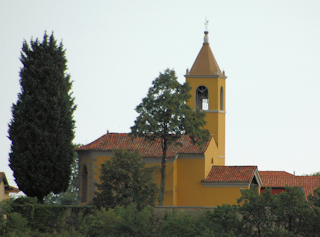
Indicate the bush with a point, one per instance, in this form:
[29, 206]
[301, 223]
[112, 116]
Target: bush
[49, 218]
[119, 222]
[11, 221]
[223, 221]
[181, 224]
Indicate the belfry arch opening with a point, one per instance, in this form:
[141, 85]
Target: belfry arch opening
[202, 99]
[221, 99]
[84, 186]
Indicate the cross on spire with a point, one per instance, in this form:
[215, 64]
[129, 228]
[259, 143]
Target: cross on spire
[206, 24]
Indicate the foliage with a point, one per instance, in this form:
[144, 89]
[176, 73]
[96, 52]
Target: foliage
[42, 127]
[11, 221]
[119, 222]
[274, 214]
[314, 198]
[43, 218]
[256, 212]
[125, 179]
[291, 210]
[182, 224]
[316, 174]
[286, 214]
[164, 115]
[24, 217]
[223, 221]
[70, 197]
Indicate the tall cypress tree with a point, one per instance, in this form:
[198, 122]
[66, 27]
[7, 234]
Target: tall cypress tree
[42, 127]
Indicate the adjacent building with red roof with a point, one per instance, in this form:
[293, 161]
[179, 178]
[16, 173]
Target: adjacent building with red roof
[278, 180]
[5, 188]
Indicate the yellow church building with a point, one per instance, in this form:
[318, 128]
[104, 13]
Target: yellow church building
[194, 176]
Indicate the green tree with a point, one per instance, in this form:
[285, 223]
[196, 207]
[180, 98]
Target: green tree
[314, 199]
[70, 197]
[256, 211]
[291, 210]
[124, 180]
[222, 221]
[42, 127]
[165, 116]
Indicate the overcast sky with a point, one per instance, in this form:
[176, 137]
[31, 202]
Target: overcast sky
[270, 51]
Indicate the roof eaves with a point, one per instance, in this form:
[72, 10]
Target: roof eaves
[259, 180]
[225, 184]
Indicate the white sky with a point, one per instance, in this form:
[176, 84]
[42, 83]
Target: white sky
[270, 51]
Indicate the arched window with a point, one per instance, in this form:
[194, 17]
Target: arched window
[221, 98]
[202, 99]
[84, 186]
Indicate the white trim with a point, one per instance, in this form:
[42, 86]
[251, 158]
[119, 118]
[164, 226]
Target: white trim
[259, 180]
[223, 157]
[226, 185]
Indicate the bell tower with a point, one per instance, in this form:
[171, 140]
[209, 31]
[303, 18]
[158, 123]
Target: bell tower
[208, 93]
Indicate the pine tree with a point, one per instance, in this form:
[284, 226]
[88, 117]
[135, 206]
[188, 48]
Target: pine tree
[164, 115]
[42, 127]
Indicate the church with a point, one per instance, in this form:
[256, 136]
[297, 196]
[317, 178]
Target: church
[194, 176]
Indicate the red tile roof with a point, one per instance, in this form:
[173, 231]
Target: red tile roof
[308, 183]
[282, 181]
[147, 149]
[3, 178]
[11, 189]
[8, 188]
[231, 174]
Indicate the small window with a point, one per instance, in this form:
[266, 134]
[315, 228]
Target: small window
[221, 98]
[202, 99]
[211, 160]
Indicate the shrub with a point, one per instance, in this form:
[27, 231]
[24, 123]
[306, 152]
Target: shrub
[11, 221]
[223, 221]
[181, 224]
[118, 222]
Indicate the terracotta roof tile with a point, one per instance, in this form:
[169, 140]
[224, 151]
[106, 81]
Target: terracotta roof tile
[308, 183]
[11, 189]
[282, 181]
[3, 178]
[231, 174]
[147, 149]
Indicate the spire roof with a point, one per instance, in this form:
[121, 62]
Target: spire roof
[205, 63]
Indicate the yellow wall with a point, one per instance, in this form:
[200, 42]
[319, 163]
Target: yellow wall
[170, 190]
[94, 173]
[183, 180]
[2, 191]
[191, 192]
[215, 120]
[212, 153]
[85, 160]
[213, 196]
[97, 166]
[191, 172]
[213, 85]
